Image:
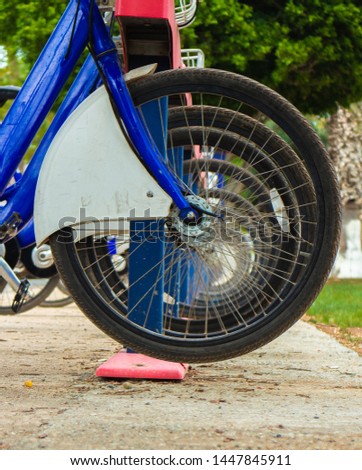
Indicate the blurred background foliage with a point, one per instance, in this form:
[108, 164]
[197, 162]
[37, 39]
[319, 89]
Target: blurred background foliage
[308, 50]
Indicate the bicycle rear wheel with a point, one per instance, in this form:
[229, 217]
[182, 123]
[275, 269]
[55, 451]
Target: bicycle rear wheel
[41, 287]
[232, 282]
[59, 297]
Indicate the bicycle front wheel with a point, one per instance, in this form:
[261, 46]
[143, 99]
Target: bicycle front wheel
[237, 279]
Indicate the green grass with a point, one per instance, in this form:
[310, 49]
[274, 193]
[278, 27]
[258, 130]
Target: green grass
[339, 304]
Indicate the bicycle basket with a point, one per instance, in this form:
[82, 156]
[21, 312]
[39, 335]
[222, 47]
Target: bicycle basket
[194, 58]
[185, 12]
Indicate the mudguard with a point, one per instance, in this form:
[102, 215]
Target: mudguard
[92, 179]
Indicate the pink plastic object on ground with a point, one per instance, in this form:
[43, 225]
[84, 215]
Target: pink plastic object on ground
[137, 366]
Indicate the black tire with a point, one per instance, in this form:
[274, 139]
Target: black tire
[8, 93]
[59, 297]
[298, 261]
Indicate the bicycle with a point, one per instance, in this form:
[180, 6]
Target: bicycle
[223, 223]
[37, 263]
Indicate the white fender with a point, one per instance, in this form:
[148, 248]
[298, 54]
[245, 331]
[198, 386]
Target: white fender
[91, 174]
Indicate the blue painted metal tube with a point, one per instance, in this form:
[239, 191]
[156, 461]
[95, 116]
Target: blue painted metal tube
[27, 235]
[145, 147]
[21, 199]
[146, 263]
[112, 245]
[40, 90]
[146, 274]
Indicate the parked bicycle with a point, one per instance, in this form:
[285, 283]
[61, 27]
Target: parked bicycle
[31, 261]
[214, 192]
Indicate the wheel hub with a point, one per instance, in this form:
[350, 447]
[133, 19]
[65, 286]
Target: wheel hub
[194, 232]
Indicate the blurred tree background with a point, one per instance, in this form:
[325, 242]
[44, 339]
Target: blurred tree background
[25, 25]
[308, 50]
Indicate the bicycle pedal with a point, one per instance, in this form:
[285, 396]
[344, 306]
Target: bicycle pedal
[20, 296]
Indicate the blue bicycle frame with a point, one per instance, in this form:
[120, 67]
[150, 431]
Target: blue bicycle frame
[38, 94]
[86, 81]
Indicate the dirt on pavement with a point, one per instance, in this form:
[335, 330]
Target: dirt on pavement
[303, 391]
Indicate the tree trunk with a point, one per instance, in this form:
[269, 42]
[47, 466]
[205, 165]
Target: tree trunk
[345, 148]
